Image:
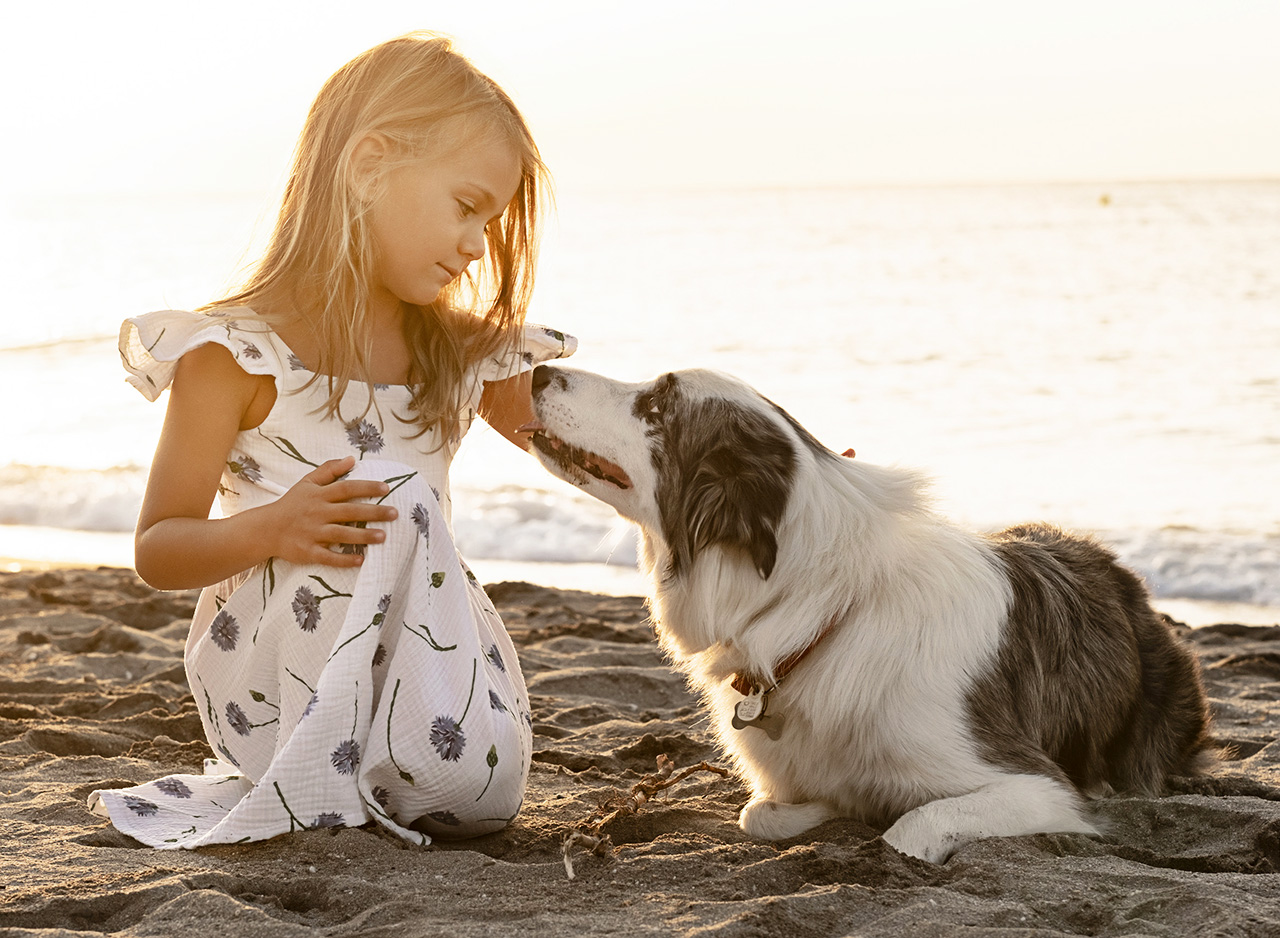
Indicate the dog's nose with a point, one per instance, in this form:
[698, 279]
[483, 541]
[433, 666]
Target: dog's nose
[541, 378]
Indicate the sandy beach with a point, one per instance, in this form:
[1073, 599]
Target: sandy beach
[93, 695]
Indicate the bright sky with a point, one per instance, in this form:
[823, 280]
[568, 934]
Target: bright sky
[168, 96]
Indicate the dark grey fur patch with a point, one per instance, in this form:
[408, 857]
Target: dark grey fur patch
[808, 439]
[724, 478]
[1090, 685]
[651, 406]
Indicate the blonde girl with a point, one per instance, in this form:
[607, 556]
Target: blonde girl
[346, 664]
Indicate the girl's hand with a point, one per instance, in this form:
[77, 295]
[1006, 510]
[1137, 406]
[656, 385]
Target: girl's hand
[508, 405]
[323, 509]
[178, 546]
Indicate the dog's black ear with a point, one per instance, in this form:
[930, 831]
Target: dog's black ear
[733, 484]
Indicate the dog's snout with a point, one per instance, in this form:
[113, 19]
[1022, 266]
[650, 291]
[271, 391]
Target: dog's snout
[542, 376]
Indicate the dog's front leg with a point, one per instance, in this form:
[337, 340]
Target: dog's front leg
[1015, 805]
[775, 820]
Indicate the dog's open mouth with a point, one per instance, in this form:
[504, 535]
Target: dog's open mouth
[576, 461]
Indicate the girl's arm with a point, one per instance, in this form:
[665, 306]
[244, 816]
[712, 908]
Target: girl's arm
[506, 405]
[177, 545]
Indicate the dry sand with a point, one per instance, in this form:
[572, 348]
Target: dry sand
[92, 694]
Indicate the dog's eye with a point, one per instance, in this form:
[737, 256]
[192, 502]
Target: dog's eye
[651, 405]
[648, 407]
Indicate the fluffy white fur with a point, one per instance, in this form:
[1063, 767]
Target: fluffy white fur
[875, 718]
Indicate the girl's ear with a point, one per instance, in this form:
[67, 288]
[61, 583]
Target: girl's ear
[366, 164]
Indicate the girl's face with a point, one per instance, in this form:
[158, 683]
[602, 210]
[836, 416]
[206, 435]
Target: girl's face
[429, 219]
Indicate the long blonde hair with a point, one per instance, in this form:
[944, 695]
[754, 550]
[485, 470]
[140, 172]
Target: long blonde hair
[420, 96]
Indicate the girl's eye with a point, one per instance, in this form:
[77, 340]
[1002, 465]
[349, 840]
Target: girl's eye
[465, 209]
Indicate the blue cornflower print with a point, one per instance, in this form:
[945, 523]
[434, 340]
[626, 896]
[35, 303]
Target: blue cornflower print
[421, 521]
[224, 631]
[328, 819]
[495, 702]
[250, 351]
[174, 787]
[141, 806]
[445, 817]
[346, 757]
[311, 705]
[237, 719]
[446, 732]
[246, 467]
[495, 658]
[295, 363]
[448, 738]
[306, 609]
[381, 796]
[379, 655]
[364, 436]
[306, 604]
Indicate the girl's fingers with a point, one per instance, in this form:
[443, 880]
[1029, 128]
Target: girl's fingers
[351, 489]
[347, 534]
[331, 558]
[329, 472]
[345, 512]
[363, 511]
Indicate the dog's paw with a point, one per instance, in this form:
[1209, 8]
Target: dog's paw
[774, 820]
[915, 836]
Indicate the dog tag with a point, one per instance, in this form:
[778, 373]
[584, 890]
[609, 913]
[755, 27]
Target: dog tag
[751, 708]
[753, 711]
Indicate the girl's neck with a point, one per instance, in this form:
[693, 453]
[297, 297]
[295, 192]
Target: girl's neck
[390, 359]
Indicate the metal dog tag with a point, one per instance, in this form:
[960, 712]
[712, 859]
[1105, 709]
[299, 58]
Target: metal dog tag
[753, 711]
[752, 707]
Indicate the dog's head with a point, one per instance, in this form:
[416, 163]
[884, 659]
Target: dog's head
[695, 456]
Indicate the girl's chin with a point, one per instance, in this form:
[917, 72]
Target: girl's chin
[423, 297]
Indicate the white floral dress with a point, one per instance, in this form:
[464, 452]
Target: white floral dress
[334, 696]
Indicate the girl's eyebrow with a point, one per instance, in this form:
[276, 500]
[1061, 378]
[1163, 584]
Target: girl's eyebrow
[486, 197]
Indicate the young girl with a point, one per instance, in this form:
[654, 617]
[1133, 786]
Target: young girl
[346, 664]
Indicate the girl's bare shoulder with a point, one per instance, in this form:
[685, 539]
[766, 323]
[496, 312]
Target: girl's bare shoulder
[212, 373]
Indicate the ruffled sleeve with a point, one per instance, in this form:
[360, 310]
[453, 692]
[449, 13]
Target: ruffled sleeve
[537, 344]
[151, 345]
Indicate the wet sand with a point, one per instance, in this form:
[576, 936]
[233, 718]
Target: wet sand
[93, 695]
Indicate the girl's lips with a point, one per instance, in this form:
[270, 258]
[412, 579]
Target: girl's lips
[532, 426]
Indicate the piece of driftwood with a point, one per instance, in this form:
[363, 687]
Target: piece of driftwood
[589, 834]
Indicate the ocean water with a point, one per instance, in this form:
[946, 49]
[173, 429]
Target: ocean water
[1102, 356]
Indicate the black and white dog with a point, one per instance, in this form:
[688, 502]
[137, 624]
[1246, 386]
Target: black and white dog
[860, 656]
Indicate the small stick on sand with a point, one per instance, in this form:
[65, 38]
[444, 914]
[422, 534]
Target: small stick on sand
[589, 833]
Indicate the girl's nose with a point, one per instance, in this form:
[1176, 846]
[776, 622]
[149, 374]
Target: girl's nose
[472, 245]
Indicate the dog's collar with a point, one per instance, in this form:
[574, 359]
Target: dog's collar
[747, 683]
